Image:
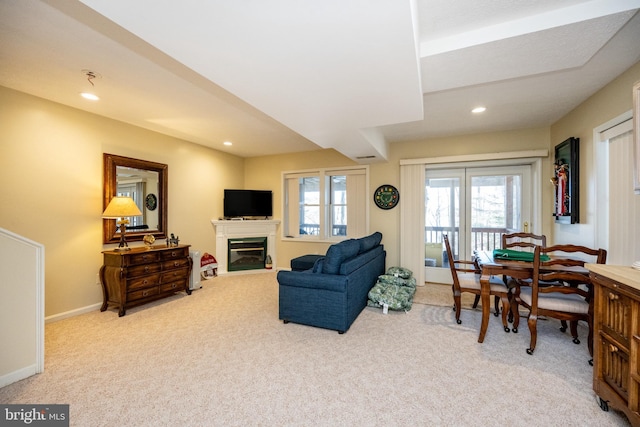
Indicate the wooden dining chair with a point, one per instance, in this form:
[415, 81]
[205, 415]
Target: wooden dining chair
[518, 241]
[523, 241]
[466, 278]
[560, 288]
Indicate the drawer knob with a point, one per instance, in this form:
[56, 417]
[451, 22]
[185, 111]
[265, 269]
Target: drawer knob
[146, 269]
[173, 254]
[613, 296]
[613, 348]
[145, 281]
[176, 264]
[145, 293]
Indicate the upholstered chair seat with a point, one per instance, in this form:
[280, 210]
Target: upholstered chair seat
[556, 301]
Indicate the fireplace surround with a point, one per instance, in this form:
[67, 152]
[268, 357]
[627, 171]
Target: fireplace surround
[236, 229]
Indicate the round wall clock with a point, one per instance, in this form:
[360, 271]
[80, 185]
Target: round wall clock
[151, 202]
[386, 196]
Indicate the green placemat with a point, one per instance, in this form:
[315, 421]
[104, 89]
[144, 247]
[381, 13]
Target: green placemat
[516, 255]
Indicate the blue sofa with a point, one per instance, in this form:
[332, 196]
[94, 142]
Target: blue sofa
[332, 294]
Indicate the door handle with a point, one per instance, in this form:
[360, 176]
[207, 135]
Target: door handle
[526, 227]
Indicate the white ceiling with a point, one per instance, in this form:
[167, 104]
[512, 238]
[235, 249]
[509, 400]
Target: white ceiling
[285, 76]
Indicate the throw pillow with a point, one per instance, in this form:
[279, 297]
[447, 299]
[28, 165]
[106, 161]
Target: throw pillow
[317, 266]
[337, 253]
[370, 242]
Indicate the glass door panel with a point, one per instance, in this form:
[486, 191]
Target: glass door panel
[499, 202]
[444, 202]
[475, 207]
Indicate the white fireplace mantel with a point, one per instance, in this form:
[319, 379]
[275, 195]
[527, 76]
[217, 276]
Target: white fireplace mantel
[230, 229]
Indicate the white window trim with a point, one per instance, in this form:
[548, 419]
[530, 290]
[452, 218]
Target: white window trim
[322, 173]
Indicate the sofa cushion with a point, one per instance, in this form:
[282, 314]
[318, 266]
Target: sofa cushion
[338, 253]
[370, 242]
[304, 262]
[317, 266]
[351, 265]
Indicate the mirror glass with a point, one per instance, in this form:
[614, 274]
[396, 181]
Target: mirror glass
[146, 183]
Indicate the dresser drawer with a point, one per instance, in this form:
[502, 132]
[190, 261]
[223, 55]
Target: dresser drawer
[143, 282]
[174, 253]
[615, 309]
[614, 365]
[172, 275]
[176, 285]
[143, 293]
[141, 270]
[144, 258]
[176, 263]
[143, 274]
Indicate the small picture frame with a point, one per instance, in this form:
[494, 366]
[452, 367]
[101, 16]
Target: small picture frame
[565, 179]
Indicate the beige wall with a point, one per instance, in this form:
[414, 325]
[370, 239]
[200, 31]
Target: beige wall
[606, 104]
[388, 221]
[609, 102]
[265, 173]
[51, 175]
[261, 171]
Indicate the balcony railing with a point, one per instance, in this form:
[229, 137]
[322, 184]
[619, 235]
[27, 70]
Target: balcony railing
[314, 230]
[482, 238]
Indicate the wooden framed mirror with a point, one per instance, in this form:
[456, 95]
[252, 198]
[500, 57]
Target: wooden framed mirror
[146, 183]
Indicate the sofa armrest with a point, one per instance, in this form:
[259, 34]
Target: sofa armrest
[307, 279]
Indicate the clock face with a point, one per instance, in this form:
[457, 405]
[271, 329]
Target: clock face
[151, 202]
[386, 196]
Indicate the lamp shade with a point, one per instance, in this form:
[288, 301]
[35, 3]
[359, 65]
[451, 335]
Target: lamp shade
[121, 206]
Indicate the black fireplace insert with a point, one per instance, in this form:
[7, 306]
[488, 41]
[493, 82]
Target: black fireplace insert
[247, 253]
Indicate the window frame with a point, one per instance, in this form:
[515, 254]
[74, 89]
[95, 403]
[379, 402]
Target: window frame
[325, 219]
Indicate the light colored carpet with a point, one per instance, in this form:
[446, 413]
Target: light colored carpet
[221, 357]
[440, 295]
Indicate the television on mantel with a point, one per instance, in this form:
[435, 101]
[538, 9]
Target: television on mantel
[247, 203]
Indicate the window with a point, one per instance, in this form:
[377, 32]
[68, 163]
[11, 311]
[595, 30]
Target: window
[135, 190]
[326, 204]
[475, 207]
[309, 206]
[338, 205]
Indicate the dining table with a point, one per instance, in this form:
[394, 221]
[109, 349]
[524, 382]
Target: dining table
[491, 265]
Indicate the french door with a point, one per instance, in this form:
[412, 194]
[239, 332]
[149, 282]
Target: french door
[474, 207]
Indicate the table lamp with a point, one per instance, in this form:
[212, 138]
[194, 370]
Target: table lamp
[121, 207]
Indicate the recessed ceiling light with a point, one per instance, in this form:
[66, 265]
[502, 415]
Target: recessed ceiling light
[479, 110]
[89, 96]
[228, 143]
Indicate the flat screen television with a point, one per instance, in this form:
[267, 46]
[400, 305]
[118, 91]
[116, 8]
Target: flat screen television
[247, 203]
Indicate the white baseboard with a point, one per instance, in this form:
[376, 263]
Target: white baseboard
[71, 313]
[18, 375]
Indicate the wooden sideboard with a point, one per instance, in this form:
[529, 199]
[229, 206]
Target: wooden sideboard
[616, 336]
[140, 275]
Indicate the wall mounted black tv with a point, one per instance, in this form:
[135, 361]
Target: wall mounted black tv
[247, 203]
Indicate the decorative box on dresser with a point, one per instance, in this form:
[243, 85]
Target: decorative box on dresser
[616, 333]
[141, 275]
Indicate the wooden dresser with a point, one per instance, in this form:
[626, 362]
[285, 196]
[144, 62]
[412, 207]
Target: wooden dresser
[144, 274]
[616, 336]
